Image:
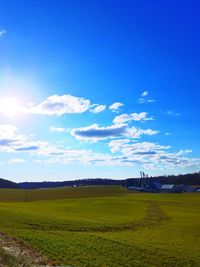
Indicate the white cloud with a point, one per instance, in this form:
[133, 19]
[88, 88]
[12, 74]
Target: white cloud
[154, 157]
[145, 93]
[12, 141]
[2, 32]
[116, 145]
[127, 147]
[60, 105]
[151, 155]
[125, 152]
[143, 99]
[97, 108]
[95, 133]
[183, 152]
[9, 138]
[173, 113]
[134, 132]
[115, 106]
[149, 131]
[86, 157]
[53, 105]
[142, 116]
[16, 161]
[57, 129]
[64, 104]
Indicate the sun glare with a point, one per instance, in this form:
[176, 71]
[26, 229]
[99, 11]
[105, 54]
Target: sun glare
[10, 106]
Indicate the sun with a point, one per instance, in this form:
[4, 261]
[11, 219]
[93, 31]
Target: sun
[10, 106]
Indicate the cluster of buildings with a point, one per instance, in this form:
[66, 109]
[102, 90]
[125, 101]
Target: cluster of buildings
[147, 185]
[164, 188]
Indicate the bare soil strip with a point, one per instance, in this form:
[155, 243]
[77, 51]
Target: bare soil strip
[15, 254]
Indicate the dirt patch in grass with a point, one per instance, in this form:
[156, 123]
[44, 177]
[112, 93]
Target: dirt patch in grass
[14, 253]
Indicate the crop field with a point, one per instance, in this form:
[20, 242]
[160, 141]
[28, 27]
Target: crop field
[102, 226]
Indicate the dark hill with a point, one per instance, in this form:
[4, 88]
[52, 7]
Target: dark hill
[187, 179]
[7, 184]
[83, 182]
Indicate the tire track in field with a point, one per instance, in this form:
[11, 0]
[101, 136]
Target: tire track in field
[154, 217]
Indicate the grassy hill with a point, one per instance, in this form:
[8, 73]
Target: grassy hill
[89, 226]
[60, 193]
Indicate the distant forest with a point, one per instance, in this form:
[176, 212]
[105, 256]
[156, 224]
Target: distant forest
[187, 179]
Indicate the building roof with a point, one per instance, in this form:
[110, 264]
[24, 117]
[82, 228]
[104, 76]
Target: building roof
[167, 186]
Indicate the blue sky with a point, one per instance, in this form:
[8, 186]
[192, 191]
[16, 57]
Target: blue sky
[98, 88]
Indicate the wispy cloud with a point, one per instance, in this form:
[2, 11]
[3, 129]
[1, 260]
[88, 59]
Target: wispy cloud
[115, 106]
[57, 129]
[142, 116]
[124, 151]
[173, 113]
[97, 108]
[143, 98]
[134, 132]
[152, 155]
[2, 32]
[12, 141]
[16, 161]
[127, 147]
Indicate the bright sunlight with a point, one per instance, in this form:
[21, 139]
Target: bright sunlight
[10, 106]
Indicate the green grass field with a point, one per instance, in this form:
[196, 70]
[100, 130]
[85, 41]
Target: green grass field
[104, 226]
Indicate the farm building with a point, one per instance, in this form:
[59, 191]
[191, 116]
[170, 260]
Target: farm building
[175, 188]
[155, 185]
[148, 186]
[195, 188]
[165, 188]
